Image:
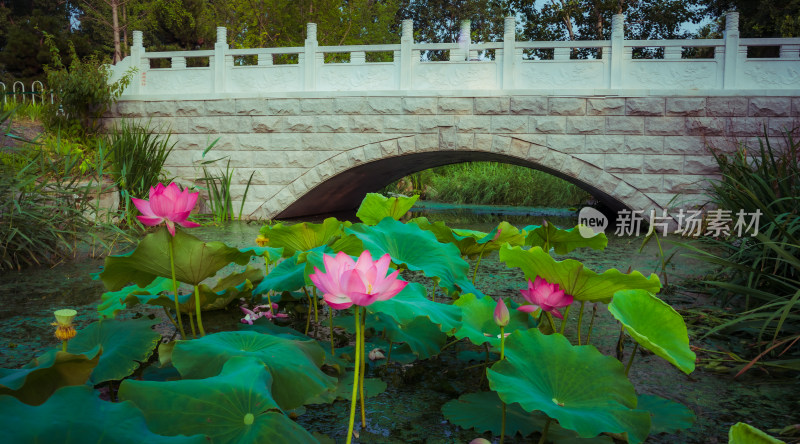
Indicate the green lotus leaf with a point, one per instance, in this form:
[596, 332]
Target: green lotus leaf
[413, 248]
[114, 301]
[303, 236]
[372, 387]
[75, 415]
[195, 260]
[375, 207]
[125, 345]
[286, 276]
[666, 416]
[742, 433]
[271, 253]
[233, 286]
[655, 326]
[233, 407]
[412, 302]
[294, 364]
[472, 243]
[583, 284]
[562, 241]
[37, 380]
[482, 411]
[477, 322]
[577, 385]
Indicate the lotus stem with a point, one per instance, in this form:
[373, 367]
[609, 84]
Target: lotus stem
[543, 439]
[308, 316]
[330, 323]
[191, 324]
[551, 321]
[630, 361]
[482, 364]
[503, 356]
[564, 320]
[478, 264]
[580, 321]
[389, 354]
[354, 397]
[64, 345]
[449, 344]
[363, 365]
[166, 312]
[591, 324]
[197, 308]
[175, 287]
[316, 316]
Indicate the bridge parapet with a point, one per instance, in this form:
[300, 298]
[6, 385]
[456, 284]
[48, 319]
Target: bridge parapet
[610, 70]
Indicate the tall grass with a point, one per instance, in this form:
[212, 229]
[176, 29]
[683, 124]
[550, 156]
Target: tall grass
[137, 161]
[760, 273]
[218, 190]
[493, 183]
[43, 205]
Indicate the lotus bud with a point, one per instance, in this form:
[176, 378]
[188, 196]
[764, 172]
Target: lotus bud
[501, 315]
[64, 329]
[262, 241]
[494, 239]
[376, 354]
[480, 441]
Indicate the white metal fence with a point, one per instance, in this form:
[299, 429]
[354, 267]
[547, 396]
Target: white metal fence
[18, 93]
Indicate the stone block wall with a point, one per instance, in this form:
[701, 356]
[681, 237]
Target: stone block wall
[641, 151]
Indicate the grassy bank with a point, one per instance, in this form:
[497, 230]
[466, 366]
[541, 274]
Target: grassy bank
[491, 183]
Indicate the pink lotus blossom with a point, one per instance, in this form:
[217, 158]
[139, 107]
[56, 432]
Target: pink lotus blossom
[501, 315]
[167, 204]
[544, 295]
[261, 311]
[346, 282]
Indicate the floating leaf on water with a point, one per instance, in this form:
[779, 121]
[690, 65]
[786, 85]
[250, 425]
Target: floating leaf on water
[232, 407]
[37, 380]
[125, 345]
[294, 364]
[563, 241]
[76, 414]
[655, 326]
[577, 385]
[742, 433]
[303, 236]
[666, 416]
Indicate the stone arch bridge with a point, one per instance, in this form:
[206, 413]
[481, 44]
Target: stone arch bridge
[317, 135]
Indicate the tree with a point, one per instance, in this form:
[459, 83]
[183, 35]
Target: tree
[760, 18]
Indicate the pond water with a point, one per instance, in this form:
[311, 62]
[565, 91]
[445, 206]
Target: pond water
[410, 410]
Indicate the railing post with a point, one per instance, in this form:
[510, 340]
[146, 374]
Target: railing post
[464, 38]
[137, 52]
[617, 47]
[220, 48]
[310, 58]
[406, 60]
[509, 42]
[730, 63]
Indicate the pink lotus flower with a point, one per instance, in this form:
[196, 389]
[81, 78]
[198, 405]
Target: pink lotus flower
[544, 295]
[346, 282]
[167, 204]
[501, 315]
[261, 311]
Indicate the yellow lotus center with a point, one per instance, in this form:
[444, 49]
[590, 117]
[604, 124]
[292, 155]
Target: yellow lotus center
[248, 419]
[369, 288]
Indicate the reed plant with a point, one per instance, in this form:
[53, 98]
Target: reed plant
[137, 161]
[760, 272]
[492, 183]
[218, 191]
[43, 206]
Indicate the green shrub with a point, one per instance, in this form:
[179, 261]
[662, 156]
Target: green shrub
[82, 90]
[492, 183]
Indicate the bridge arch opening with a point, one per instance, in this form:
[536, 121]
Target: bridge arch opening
[344, 190]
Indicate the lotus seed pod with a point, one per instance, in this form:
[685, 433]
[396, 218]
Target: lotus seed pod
[65, 316]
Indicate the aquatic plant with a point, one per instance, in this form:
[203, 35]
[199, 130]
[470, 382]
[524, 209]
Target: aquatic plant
[345, 283]
[170, 205]
[64, 329]
[545, 296]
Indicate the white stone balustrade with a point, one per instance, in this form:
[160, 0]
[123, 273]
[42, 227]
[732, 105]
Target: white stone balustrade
[728, 72]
